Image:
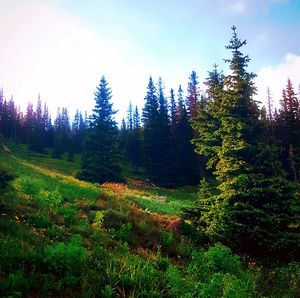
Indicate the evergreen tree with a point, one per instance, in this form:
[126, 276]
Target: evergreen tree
[58, 148]
[137, 139]
[48, 127]
[150, 118]
[123, 138]
[38, 130]
[288, 131]
[157, 135]
[173, 109]
[165, 153]
[78, 130]
[193, 96]
[252, 207]
[29, 123]
[100, 161]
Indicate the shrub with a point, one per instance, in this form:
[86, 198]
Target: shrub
[114, 219]
[166, 239]
[218, 273]
[69, 213]
[124, 233]
[61, 256]
[98, 221]
[50, 199]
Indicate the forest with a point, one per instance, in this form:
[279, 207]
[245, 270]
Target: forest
[194, 195]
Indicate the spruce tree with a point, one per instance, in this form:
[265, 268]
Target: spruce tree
[100, 160]
[251, 207]
[38, 133]
[137, 139]
[150, 118]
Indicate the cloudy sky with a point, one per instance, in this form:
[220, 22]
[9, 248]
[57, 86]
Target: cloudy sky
[61, 48]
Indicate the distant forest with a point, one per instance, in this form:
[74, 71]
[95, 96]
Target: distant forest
[161, 139]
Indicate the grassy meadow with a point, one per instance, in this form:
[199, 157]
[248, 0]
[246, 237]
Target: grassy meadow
[62, 237]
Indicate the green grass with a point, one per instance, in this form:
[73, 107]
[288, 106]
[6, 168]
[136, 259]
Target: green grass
[170, 206]
[61, 237]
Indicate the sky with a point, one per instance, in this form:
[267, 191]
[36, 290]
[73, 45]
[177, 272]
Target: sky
[61, 48]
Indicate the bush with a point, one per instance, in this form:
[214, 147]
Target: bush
[50, 199]
[70, 257]
[124, 233]
[69, 213]
[218, 273]
[114, 219]
[166, 239]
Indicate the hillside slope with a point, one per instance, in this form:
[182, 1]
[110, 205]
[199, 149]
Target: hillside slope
[61, 237]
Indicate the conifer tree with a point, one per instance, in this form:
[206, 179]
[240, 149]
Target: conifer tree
[252, 207]
[193, 95]
[288, 131]
[100, 160]
[150, 118]
[38, 132]
[173, 109]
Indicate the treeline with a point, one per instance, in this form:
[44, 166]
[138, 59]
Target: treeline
[35, 128]
[160, 140]
[156, 142]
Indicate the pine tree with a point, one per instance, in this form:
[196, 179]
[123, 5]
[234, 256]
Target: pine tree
[193, 95]
[100, 161]
[157, 145]
[150, 118]
[38, 133]
[251, 207]
[173, 109]
[136, 140]
[288, 131]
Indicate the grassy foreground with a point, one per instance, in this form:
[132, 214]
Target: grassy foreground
[61, 237]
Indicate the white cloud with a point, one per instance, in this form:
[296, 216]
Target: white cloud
[276, 78]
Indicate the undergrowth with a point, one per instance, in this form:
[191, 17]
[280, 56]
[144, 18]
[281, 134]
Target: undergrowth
[61, 237]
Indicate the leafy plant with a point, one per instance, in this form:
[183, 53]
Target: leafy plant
[61, 256]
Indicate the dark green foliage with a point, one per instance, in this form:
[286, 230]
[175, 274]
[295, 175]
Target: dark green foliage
[157, 135]
[185, 165]
[38, 132]
[287, 131]
[252, 207]
[131, 138]
[5, 177]
[100, 160]
[61, 256]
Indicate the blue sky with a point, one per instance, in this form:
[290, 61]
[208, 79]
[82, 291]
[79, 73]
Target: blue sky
[60, 48]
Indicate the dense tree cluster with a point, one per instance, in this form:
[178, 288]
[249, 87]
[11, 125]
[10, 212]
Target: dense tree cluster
[162, 144]
[248, 204]
[35, 128]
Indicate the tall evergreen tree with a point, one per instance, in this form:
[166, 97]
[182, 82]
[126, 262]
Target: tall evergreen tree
[150, 118]
[287, 130]
[252, 207]
[38, 132]
[173, 109]
[100, 161]
[193, 95]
